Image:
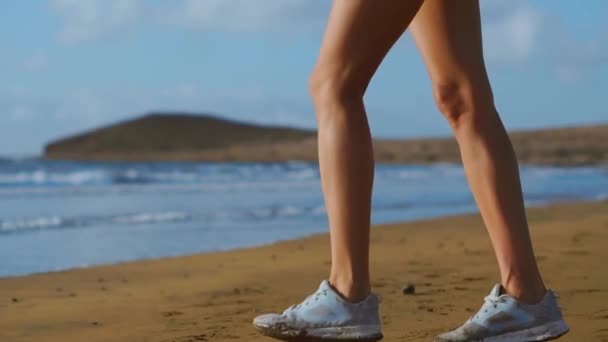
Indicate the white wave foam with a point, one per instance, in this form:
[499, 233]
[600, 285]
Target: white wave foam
[262, 213]
[57, 222]
[79, 178]
[174, 176]
[304, 174]
[41, 177]
[28, 224]
[289, 211]
[23, 177]
[274, 212]
[550, 171]
[170, 216]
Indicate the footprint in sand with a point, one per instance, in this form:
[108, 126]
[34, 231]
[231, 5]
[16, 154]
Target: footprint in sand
[474, 252]
[192, 338]
[472, 279]
[585, 291]
[171, 313]
[579, 237]
[601, 314]
[603, 334]
[426, 308]
[574, 252]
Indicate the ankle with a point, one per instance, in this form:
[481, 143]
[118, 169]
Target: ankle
[529, 293]
[352, 291]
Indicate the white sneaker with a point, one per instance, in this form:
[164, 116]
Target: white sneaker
[324, 315]
[503, 319]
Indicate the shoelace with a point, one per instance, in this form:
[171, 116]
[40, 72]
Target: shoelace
[489, 301]
[315, 296]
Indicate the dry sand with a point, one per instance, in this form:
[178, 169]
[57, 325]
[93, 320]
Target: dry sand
[213, 297]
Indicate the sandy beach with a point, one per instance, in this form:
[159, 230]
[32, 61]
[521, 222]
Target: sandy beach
[213, 297]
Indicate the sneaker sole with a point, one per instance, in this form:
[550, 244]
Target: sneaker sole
[353, 333]
[546, 332]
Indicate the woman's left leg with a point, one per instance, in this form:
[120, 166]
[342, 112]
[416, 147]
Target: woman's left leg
[448, 34]
[358, 36]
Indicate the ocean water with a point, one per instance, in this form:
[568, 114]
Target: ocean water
[58, 215]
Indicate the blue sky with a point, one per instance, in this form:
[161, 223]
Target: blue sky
[70, 65]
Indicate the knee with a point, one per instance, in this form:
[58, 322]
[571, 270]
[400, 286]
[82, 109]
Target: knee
[333, 88]
[463, 103]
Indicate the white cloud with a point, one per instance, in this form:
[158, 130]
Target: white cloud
[516, 33]
[511, 34]
[87, 20]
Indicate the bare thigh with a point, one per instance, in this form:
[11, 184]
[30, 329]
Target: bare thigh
[448, 35]
[359, 34]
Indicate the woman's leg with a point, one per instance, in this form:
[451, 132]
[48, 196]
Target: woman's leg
[358, 36]
[448, 34]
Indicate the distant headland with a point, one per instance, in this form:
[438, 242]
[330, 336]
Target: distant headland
[188, 137]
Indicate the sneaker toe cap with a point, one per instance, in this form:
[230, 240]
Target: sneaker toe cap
[456, 335]
[467, 332]
[268, 320]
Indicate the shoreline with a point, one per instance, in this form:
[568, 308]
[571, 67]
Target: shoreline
[292, 239]
[214, 296]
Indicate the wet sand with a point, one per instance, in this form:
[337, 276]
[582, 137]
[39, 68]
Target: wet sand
[213, 297]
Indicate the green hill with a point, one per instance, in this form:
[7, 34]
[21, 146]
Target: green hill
[168, 133]
[208, 138]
